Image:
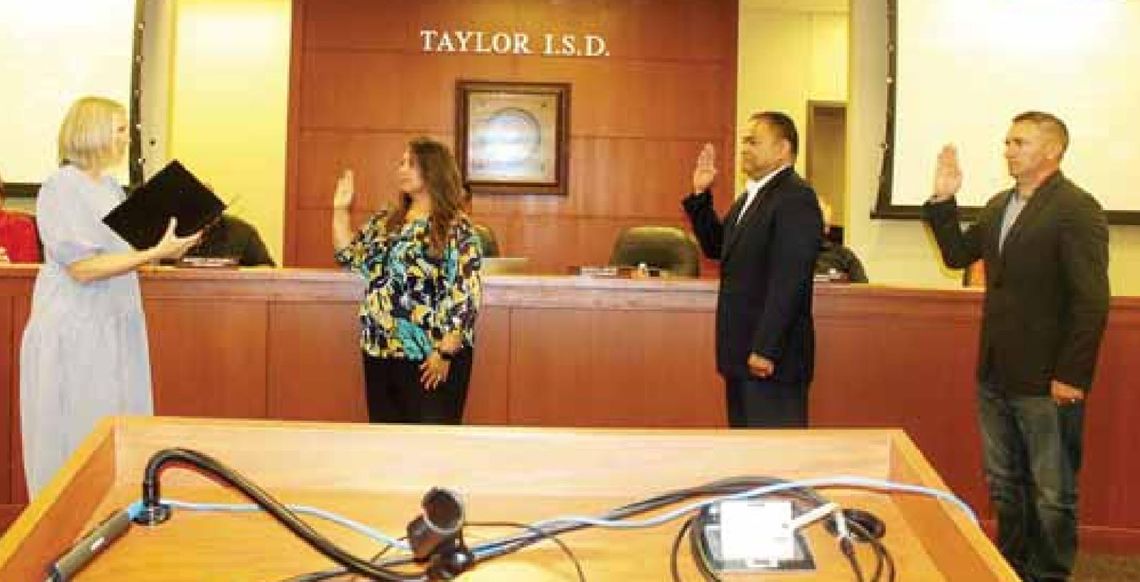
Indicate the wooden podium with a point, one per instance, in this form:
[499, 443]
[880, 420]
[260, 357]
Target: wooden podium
[378, 474]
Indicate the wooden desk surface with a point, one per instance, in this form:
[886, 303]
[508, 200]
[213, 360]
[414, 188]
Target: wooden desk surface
[377, 475]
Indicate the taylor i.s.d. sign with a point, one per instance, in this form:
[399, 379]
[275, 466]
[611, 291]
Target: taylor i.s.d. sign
[513, 43]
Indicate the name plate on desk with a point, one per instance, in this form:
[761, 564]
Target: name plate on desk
[618, 272]
[207, 262]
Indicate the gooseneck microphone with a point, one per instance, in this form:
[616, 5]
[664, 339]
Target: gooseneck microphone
[153, 511]
[85, 550]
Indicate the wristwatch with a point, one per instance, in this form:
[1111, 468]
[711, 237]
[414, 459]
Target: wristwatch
[446, 356]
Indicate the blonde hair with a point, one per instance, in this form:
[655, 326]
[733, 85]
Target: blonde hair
[86, 137]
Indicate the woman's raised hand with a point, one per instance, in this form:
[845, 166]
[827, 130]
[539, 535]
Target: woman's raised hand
[345, 189]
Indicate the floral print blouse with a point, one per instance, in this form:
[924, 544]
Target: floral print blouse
[413, 299]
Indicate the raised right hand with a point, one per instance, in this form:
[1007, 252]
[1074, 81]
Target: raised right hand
[948, 174]
[705, 171]
[345, 189]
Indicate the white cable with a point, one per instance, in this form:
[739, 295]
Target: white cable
[302, 509]
[814, 515]
[841, 531]
[823, 482]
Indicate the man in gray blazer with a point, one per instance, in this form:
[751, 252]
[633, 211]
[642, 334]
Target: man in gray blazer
[1045, 247]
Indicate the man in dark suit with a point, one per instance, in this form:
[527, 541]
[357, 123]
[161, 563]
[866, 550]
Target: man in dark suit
[1045, 246]
[767, 246]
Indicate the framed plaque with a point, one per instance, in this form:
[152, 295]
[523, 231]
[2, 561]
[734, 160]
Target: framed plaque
[512, 137]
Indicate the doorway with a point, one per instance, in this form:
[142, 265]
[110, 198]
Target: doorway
[826, 161]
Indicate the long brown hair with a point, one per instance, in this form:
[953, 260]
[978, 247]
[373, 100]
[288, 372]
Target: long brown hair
[440, 174]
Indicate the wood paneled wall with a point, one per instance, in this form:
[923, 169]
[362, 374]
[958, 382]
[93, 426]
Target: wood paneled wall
[361, 87]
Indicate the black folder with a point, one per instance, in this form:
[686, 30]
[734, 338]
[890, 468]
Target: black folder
[171, 193]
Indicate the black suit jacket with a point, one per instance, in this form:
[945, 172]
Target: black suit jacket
[1047, 289]
[766, 264]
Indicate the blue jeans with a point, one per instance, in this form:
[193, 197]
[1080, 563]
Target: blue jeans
[1031, 449]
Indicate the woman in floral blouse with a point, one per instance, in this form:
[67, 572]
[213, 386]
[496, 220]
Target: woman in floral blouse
[421, 259]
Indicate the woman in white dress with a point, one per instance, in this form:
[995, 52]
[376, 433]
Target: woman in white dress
[84, 354]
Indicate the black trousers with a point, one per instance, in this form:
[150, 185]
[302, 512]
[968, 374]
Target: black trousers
[757, 403]
[395, 393]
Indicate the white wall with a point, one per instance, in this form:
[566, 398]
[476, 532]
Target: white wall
[51, 53]
[902, 252]
[785, 59]
[228, 107]
[965, 67]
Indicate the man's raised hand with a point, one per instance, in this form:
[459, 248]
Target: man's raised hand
[705, 171]
[948, 174]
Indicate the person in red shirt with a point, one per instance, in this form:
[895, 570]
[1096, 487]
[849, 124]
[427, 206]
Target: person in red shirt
[19, 242]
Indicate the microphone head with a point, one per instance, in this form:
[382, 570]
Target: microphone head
[440, 524]
[443, 511]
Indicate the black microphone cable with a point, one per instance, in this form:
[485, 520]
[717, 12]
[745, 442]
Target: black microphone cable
[538, 532]
[810, 499]
[882, 555]
[496, 548]
[155, 512]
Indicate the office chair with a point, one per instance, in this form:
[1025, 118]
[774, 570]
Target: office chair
[663, 247]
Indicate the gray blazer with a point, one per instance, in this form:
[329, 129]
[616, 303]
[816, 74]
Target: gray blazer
[1047, 291]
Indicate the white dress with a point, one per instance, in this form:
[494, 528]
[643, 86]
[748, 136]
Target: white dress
[84, 354]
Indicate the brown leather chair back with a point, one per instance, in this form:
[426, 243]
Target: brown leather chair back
[663, 247]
